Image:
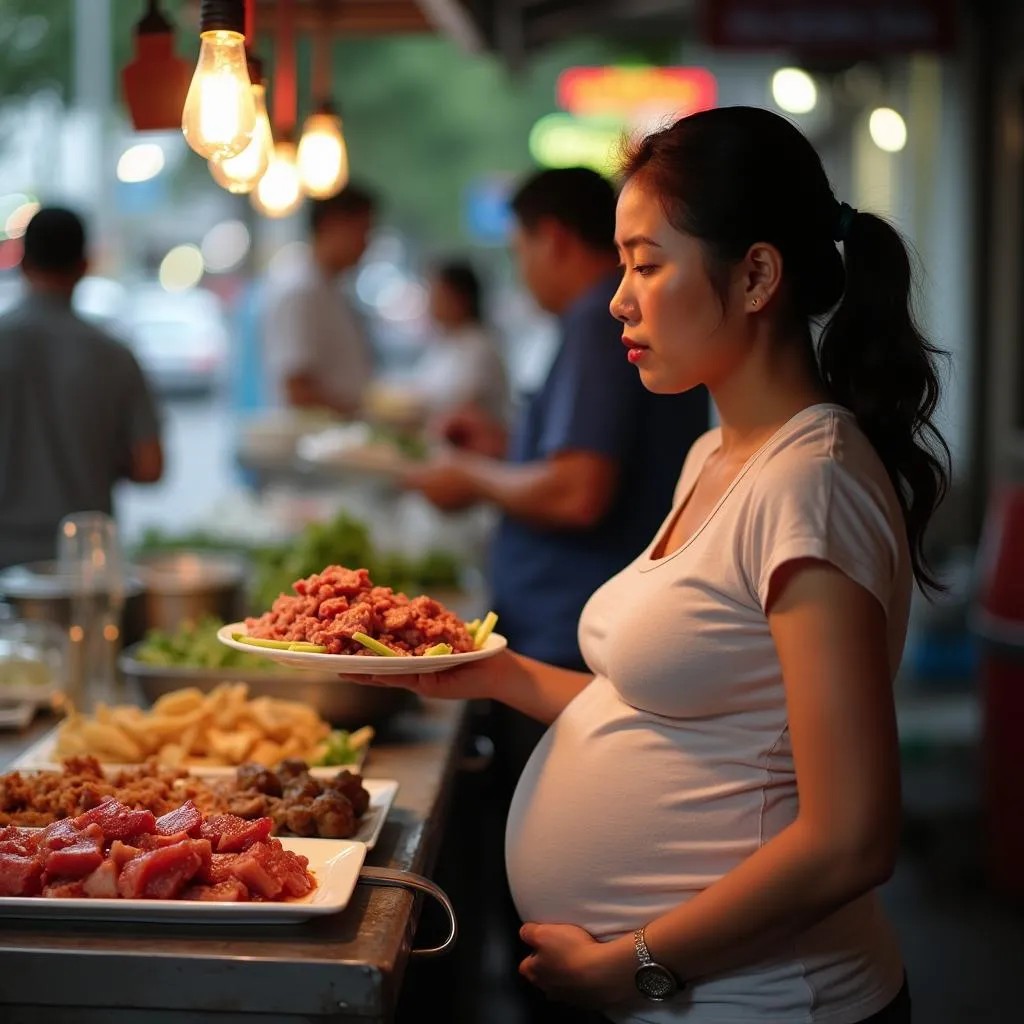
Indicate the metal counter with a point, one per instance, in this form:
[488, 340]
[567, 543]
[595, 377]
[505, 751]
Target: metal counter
[342, 969]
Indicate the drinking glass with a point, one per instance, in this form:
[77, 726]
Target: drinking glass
[89, 557]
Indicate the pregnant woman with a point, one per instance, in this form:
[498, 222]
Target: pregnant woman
[700, 833]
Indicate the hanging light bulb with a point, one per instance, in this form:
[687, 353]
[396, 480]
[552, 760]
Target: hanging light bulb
[240, 174]
[279, 192]
[323, 155]
[220, 112]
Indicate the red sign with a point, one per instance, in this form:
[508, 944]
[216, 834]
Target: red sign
[861, 27]
[623, 91]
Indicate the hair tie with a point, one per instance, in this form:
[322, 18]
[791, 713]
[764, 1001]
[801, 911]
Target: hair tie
[845, 219]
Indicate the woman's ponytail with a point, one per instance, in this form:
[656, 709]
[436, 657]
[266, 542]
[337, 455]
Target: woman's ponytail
[876, 362]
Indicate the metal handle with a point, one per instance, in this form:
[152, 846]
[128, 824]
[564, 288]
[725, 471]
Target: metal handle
[389, 878]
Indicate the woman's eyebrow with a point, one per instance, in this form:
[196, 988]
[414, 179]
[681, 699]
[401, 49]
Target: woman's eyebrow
[635, 240]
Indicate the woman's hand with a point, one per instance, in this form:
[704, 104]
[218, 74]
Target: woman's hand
[477, 681]
[571, 966]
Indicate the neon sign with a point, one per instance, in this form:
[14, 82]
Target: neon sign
[627, 91]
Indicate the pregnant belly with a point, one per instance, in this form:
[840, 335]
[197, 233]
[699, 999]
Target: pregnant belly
[620, 816]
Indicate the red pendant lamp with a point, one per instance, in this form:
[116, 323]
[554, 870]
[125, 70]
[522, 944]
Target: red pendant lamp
[156, 80]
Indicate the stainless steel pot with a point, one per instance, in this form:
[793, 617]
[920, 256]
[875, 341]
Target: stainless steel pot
[39, 592]
[341, 703]
[185, 586]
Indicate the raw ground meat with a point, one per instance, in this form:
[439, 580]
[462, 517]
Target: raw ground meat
[328, 607]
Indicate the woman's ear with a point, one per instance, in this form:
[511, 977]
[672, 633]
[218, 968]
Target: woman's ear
[762, 275]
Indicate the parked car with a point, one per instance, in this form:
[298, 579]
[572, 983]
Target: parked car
[180, 339]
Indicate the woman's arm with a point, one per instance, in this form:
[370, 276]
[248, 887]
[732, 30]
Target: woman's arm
[830, 635]
[536, 689]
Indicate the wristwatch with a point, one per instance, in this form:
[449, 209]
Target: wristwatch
[653, 981]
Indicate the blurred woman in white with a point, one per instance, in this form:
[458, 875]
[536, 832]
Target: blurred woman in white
[462, 366]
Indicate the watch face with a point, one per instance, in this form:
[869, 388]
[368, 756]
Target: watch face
[655, 982]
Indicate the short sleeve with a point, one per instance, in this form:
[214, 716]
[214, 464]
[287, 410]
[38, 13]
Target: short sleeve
[593, 393]
[821, 508]
[142, 423]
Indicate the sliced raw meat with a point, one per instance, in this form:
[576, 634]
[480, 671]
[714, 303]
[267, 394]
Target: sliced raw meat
[219, 868]
[22, 841]
[290, 869]
[19, 875]
[79, 859]
[185, 818]
[250, 869]
[102, 883]
[63, 889]
[229, 834]
[121, 853]
[155, 842]
[160, 874]
[118, 821]
[60, 834]
[230, 891]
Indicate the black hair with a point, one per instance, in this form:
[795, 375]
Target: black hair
[462, 279]
[54, 241]
[735, 176]
[577, 197]
[353, 200]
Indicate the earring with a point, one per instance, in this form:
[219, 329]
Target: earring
[755, 302]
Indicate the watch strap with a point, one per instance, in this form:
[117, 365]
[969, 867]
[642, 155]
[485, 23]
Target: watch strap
[643, 954]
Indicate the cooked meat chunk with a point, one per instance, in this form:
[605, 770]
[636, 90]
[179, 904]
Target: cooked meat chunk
[289, 768]
[302, 787]
[350, 786]
[300, 819]
[334, 816]
[259, 778]
[249, 804]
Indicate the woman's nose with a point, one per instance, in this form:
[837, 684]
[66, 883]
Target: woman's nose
[622, 307]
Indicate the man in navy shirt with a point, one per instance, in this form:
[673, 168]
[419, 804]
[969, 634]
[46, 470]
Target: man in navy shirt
[594, 458]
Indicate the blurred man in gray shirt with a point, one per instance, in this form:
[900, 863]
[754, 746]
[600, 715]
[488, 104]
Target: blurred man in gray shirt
[76, 414]
[317, 352]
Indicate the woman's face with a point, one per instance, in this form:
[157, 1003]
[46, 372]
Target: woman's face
[677, 333]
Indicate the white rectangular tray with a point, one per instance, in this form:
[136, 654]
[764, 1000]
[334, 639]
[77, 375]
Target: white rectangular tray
[382, 797]
[41, 756]
[335, 864]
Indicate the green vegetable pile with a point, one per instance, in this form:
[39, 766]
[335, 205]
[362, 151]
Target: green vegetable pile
[195, 645]
[346, 541]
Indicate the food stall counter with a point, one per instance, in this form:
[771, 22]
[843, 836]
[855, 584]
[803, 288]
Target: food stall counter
[346, 967]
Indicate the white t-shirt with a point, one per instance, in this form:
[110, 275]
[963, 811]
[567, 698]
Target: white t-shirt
[312, 329]
[674, 765]
[462, 367]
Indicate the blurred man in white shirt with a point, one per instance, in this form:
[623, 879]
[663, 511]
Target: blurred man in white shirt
[317, 352]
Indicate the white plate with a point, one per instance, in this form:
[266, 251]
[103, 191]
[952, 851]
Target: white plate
[42, 756]
[382, 796]
[355, 665]
[335, 864]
